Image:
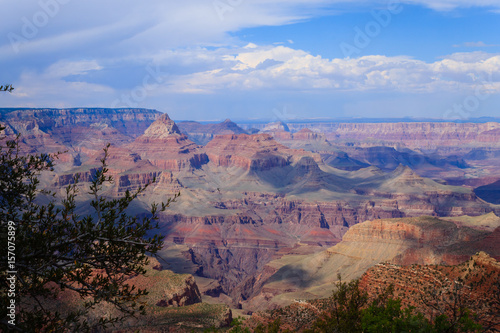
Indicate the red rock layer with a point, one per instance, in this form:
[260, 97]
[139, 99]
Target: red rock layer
[165, 147]
[476, 279]
[420, 134]
[252, 152]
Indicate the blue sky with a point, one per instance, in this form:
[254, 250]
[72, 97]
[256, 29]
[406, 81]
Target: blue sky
[242, 59]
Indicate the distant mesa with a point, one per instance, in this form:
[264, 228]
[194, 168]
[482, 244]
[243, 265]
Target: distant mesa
[253, 130]
[276, 127]
[203, 133]
[76, 131]
[226, 127]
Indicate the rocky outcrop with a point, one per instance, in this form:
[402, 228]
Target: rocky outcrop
[167, 148]
[472, 284]
[276, 126]
[187, 294]
[172, 301]
[165, 288]
[162, 128]
[252, 152]
[164, 182]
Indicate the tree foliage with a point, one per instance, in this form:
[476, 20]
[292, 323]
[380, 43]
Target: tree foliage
[347, 302]
[352, 311]
[390, 316]
[449, 308]
[7, 87]
[272, 327]
[56, 249]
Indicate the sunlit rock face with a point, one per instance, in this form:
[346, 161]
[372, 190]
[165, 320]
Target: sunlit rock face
[167, 148]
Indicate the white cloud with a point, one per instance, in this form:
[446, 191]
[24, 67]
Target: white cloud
[446, 5]
[66, 68]
[297, 70]
[147, 27]
[250, 46]
[475, 44]
[34, 88]
[271, 68]
[139, 27]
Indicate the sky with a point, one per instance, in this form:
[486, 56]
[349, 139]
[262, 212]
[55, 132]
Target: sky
[254, 59]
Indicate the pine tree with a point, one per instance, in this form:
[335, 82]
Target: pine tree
[54, 249]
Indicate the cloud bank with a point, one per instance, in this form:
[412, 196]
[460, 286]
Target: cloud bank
[75, 53]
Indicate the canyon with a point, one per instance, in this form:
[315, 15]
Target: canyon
[431, 290]
[173, 300]
[269, 217]
[403, 241]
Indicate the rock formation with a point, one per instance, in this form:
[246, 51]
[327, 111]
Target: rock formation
[277, 126]
[201, 134]
[421, 134]
[406, 241]
[472, 284]
[167, 148]
[252, 152]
